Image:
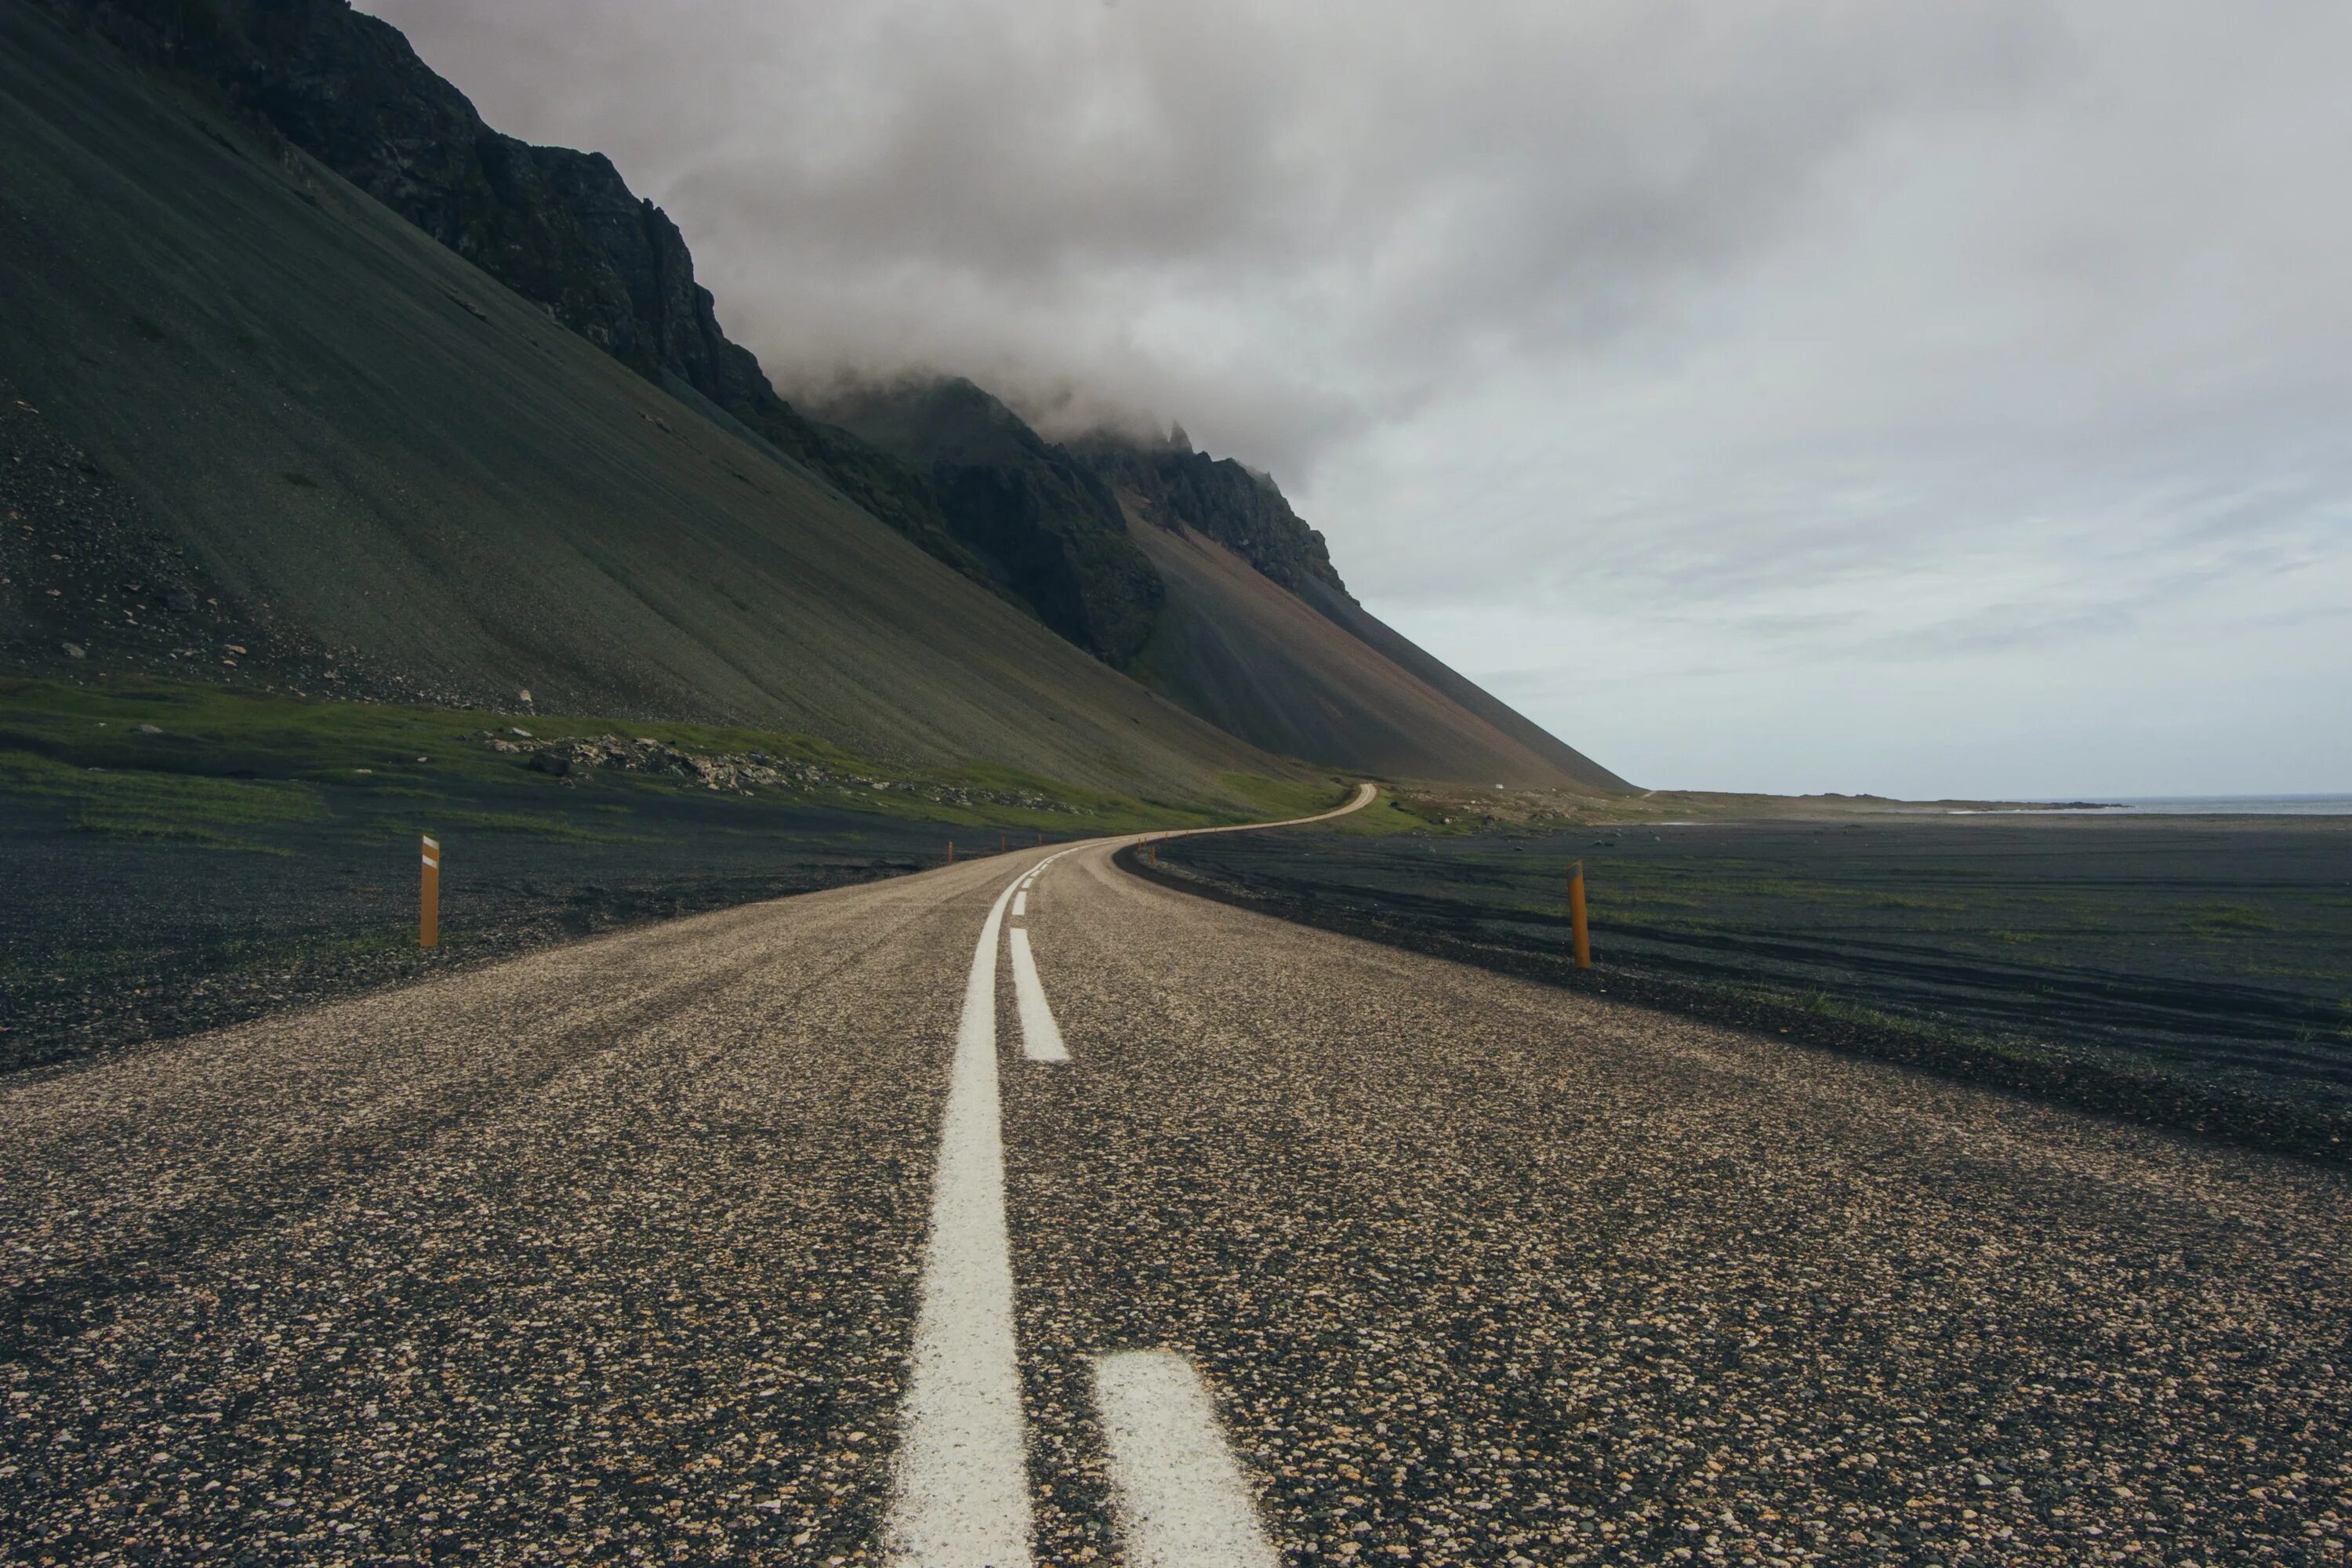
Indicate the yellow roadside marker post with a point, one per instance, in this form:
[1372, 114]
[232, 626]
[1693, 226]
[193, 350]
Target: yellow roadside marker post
[1577, 932]
[428, 910]
[950, 851]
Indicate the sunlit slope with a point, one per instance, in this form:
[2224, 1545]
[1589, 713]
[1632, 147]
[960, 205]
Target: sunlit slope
[1250, 656]
[378, 444]
[1490, 711]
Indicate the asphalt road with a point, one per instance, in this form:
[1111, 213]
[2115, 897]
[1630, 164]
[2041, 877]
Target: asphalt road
[1311, 1251]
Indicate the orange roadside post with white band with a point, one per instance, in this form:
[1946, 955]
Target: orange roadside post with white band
[1578, 934]
[428, 912]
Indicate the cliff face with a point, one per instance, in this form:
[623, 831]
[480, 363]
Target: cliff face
[348, 89]
[1038, 520]
[1216, 497]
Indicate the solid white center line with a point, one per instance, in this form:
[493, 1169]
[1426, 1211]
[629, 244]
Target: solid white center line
[1040, 1037]
[963, 1498]
[1181, 1497]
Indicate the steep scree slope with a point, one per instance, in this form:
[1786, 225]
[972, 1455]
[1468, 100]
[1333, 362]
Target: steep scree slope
[360, 440]
[1204, 585]
[1261, 662]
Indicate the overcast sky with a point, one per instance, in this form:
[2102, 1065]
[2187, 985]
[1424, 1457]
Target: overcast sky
[1918, 397]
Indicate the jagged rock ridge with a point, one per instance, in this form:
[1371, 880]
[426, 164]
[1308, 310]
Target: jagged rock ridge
[1038, 519]
[1218, 497]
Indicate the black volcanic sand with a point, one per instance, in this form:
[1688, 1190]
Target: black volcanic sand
[2187, 971]
[108, 940]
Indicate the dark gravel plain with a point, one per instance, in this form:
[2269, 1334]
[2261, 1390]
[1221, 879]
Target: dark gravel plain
[2192, 972]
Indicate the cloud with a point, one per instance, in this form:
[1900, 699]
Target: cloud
[1762, 339]
[1282, 224]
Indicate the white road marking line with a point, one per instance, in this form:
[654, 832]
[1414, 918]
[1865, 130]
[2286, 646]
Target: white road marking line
[1182, 1501]
[1040, 1037]
[1021, 901]
[962, 1495]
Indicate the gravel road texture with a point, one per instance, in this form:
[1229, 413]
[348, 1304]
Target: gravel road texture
[609, 1251]
[2190, 972]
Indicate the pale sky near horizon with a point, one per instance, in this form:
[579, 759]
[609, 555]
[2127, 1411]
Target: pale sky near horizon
[1889, 395]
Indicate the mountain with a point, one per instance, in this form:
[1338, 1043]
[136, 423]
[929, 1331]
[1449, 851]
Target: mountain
[1244, 620]
[261, 430]
[560, 227]
[1100, 541]
[1241, 509]
[1042, 523]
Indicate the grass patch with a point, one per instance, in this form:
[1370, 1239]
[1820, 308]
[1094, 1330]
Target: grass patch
[1838, 1009]
[1383, 818]
[195, 740]
[161, 806]
[163, 829]
[2229, 919]
[557, 826]
[248, 957]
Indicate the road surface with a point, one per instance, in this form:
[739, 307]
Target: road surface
[1194, 1238]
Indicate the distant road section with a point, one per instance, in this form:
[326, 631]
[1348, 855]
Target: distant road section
[637, 1245]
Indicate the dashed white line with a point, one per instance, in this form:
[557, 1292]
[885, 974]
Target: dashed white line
[1021, 901]
[962, 1493]
[962, 1496]
[1181, 1497]
[1040, 1037]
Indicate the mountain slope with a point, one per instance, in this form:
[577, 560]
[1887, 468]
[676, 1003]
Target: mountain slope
[1224, 600]
[1520, 731]
[1253, 664]
[383, 454]
[560, 227]
[1268, 666]
[948, 467]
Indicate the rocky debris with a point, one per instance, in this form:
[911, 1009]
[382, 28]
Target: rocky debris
[744, 773]
[91, 585]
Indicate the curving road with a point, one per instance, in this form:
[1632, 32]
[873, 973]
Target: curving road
[1311, 1251]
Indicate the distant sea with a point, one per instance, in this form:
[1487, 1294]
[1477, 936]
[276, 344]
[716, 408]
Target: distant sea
[2210, 805]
